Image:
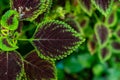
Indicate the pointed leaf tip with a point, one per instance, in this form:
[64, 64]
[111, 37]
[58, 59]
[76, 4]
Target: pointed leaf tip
[56, 39]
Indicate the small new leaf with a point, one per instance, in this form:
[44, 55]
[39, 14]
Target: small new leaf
[10, 20]
[30, 9]
[10, 66]
[39, 69]
[55, 39]
[73, 24]
[104, 6]
[7, 45]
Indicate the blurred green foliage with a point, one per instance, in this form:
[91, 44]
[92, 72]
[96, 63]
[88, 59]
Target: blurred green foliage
[85, 62]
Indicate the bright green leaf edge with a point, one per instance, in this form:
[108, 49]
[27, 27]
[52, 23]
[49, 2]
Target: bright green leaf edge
[66, 53]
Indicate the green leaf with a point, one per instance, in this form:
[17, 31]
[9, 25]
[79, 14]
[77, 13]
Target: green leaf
[30, 9]
[39, 69]
[11, 67]
[55, 39]
[10, 20]
[104, 6]
[7, 44]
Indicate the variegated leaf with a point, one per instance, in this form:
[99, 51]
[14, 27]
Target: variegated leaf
[115, 46]
[102, 33]
[30, 9]
[10, 66]
[86, 5]
[104, 54]
[39, 69]
[55, 39]
[104, 6]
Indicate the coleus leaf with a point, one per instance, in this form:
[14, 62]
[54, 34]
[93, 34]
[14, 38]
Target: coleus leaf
[30, 9]
[55, 39]
[7, 44]
[11, 67]
[115, 45]
[10, 20]
[83, 22]
[39, 69]
[42, 16]
[86, 5]
[73, 24]
[104, 6]
[104, 53]
[117, 32]
[102, 33]
[92, 45]
[111, 19]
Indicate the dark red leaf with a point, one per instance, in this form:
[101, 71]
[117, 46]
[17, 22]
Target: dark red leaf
[30, 9]
[10, 66]
[102, 33]
[55, 39]
[116, 46]
[103, 6]
[104, 53]
[37, 68]
[73, 24]
[86, 6]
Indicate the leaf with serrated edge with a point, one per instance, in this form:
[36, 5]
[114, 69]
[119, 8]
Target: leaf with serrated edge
[39, 69]
[7, 45]
[73, 23]
[55, 39]
[104, 6]
[30, 9]
[11, 66]
[102, 33]
[10, 20]
[86, 5]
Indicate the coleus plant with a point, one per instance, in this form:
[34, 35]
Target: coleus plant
[52, 40]
[101, 39]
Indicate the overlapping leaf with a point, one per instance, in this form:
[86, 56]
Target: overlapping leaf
[104, 6]
[55, 39]
[38, 69]
[30, 9]
[86, 5]
[102, 33]
[73, 24]
[10, 66]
